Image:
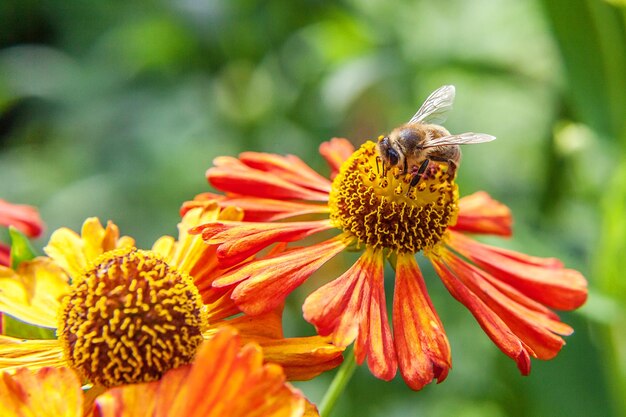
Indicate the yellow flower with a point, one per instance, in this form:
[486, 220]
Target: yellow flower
[125, 315]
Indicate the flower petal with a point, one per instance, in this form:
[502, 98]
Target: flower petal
[336, 151]
[289, 167]
[224, 380]
[53, 392]
[25, 218]
[491, 323]
[335, 308]
[302, 358]
[479, 213]
[374, 340]
[264, 284]
[547, 283]
[421, 343]
[239, 241]
[32, 354]
[534, 329]
[352, 306]
[65, 247]
[232, 176]
[33, 293]
[74, 253]
[5, 255]
[257, 209]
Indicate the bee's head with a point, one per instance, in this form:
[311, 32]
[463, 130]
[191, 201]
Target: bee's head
[388, 151]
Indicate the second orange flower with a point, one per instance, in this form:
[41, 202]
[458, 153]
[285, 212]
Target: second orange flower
[378, 212]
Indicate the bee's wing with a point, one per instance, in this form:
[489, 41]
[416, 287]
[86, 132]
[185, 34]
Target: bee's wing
[461, 139]
[436, 106]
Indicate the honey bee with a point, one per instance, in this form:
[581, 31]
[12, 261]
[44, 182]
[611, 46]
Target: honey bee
[415, 144]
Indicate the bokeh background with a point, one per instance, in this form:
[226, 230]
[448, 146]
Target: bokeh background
[115, 109]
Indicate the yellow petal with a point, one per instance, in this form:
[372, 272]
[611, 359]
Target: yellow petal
[65, 247]
[31, 354]
[191, 248]
[93, 236]
[53, 392]
[165, 247]
[74, 253]
[33, 293]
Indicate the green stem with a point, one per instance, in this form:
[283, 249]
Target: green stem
[345, 372]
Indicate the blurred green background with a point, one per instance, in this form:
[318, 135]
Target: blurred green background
[116, 109]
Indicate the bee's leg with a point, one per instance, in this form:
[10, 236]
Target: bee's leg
[418, 175]
[406, 166]
[378, 159]
[452, 166]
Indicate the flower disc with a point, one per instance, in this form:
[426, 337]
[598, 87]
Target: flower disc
[381, 209]
[130, 318]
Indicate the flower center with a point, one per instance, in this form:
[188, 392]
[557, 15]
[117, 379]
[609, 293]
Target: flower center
[130, 318]
[379, 207]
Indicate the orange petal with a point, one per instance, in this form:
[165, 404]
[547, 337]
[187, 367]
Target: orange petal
[33, 293]
[264, 284]
[263, 326]
[224, 380]
[188, 253]
[25, 218]
[535, 330]
[218, 303]
[491, 323]
[374, 340]
[240, 240]
[352, 306]
[53, 392]
[420, 340]
[479, 213]
[208, 202]
[289, 167]
[310, 410]
[336, 151]
[547, 283]
[335, 308]
[302, 358]
[5, 255]
[232, 176]
[259, 209]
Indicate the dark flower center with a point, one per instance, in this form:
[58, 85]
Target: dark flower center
[380, 208]
[130, 318]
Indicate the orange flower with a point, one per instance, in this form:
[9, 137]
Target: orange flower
[226, 379]
[24, 218]
[377, 211]
[125, 315]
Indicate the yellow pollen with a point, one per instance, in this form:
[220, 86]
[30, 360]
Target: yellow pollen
[378, 206]
[129, 318]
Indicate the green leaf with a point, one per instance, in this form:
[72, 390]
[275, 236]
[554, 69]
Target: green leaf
[591, 37]
[21, 248]
[18, 329]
